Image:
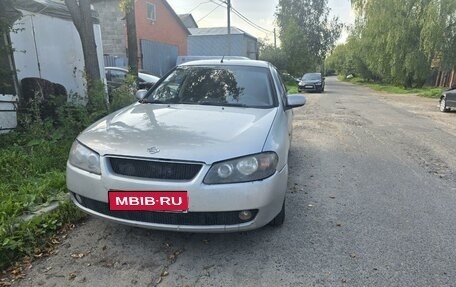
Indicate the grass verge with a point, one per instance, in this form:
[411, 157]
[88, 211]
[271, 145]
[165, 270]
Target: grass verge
[429, 92]
[292, 88]
[32, 168]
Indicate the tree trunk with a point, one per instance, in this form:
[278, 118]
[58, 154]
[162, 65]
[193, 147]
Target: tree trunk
[131, 38]
[82, 18]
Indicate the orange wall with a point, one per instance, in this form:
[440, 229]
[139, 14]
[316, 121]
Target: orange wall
[164, 29]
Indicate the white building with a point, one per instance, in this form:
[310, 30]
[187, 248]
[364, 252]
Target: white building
[47, 46]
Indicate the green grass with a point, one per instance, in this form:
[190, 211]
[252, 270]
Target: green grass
[430, 92]
[292, 88]
[32, 173]
[32, 169]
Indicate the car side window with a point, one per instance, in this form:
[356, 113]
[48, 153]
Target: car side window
[118, 76]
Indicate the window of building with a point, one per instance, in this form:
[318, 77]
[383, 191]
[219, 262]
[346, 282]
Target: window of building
[151, 11]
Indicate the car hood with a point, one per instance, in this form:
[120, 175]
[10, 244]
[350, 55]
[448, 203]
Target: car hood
[180, 132]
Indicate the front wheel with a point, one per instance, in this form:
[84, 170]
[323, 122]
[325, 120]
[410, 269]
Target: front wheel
[443, 107]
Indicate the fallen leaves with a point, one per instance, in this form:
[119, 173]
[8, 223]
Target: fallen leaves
[77, 255]
[72, 276]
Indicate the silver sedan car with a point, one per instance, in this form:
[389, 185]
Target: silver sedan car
[205, 150]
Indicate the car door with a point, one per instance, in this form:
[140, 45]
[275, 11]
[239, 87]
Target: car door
[116, 78]
[282, 93]
[451, 98]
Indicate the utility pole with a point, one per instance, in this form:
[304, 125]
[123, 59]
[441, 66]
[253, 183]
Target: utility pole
[228, 5]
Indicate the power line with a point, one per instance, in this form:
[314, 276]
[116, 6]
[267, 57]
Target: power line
[250, 22]
[208, 13]
[198, 6]
[220, 3]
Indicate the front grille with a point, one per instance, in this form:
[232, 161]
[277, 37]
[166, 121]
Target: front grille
[154, 169]
[189, 218]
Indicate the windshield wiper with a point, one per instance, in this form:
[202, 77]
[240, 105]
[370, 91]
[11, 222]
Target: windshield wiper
[223, 104]
[145, 101]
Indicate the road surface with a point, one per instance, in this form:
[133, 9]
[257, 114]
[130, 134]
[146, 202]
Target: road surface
[371, 202]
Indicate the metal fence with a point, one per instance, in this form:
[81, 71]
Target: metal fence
[158, 58]
[115, 61]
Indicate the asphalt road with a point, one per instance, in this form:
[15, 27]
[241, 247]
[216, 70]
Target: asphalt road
[371, 202]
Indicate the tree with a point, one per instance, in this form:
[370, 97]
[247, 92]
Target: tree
[306, 32]
[400, 40]
[128, 6]
[81, 14]
[8, 79]
[274, 55]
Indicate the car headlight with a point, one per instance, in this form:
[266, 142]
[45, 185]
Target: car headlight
[318, 84]
[84, 158]
[248, 168]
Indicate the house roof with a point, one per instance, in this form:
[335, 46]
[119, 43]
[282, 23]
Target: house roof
[188, 20]
[178, 20]
[48, 7]
[218, 31]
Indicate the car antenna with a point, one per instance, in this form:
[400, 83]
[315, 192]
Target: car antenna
[221, 61]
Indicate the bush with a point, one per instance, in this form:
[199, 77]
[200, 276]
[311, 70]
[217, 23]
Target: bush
[124, 95]
[32, 165]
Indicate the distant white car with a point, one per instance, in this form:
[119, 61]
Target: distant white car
[205, 150]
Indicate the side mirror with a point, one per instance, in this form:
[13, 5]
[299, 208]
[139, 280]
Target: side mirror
[140, 94]
[295, 100]
[324, 78]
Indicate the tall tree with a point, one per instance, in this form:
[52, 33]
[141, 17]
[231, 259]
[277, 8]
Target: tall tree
[128, 6]
[306, 32]
[274, 55]
[81, 14]
[400, 40]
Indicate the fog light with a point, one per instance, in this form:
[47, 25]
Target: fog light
[245, 215]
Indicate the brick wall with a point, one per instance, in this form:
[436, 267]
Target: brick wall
[113, 30]
[164, 29]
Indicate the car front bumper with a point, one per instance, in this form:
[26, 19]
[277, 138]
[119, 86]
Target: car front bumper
[264, 198]
[310, 88]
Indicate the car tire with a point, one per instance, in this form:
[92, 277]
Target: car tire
[280, 218]
[442, 105]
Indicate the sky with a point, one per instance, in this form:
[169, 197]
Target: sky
[208, 14]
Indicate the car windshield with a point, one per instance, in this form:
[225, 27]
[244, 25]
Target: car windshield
[311, 77]
[215, 85]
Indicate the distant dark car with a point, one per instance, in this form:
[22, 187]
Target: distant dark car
[116, 77]
[312, 82]
[448, 100]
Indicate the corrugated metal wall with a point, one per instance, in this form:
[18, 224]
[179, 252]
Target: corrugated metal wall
[217, 45]
[115, 61]
[158, 58]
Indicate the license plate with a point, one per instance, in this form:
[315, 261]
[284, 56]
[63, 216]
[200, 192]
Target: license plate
[308, 87]
[148, 200]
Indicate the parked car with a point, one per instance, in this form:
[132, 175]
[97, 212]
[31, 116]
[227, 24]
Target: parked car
[115, 77]
[205, 150]
[448, 100]
[312, 82]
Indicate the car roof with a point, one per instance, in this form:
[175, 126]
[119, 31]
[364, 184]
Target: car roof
[228, 62]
